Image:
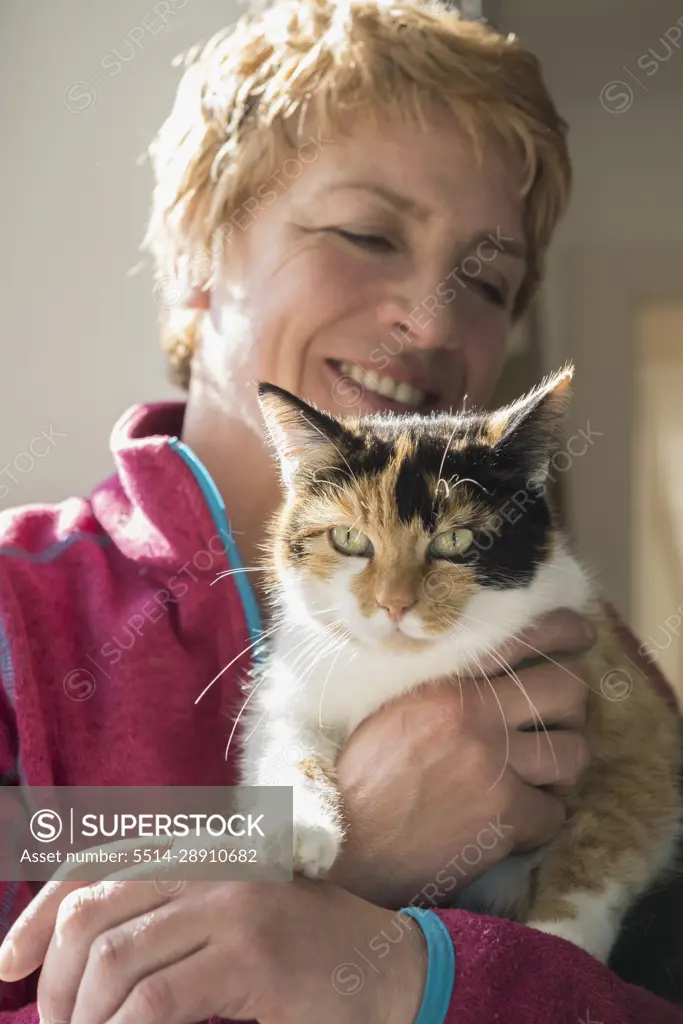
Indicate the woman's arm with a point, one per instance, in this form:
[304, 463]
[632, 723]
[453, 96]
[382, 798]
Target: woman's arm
[303, 952]
[508, 972]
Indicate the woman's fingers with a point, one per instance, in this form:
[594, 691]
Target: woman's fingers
[557, 758]
[539, 816]
[542, 696]
[560, 632]
[82, 917]
[139, 948]
[27, 941]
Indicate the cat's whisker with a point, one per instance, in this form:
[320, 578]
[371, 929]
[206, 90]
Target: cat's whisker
[509, 671]
[443, 463]
[507, 732]
[232, 572]
[241, 712]
[462, 693]
[327, 649]
[309, 646]
[502, 715]
[538, 720]
[327, 483]
[469, 480]
[476, 685]
[477, 688]
[327, 679]
[453, 622]
[320, 645]
[249, 647]
[481, 697]
[307, 643]
[546, 657]
[506, 666]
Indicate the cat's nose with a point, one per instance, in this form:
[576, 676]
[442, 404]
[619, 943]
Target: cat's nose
[396, 607]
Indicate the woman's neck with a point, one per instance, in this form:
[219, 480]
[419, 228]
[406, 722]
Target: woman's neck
[243, 469]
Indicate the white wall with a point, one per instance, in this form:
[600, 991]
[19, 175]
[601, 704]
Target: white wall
[78, 336]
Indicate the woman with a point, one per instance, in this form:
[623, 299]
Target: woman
[353, 202]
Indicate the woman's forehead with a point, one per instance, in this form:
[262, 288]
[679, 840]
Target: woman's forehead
[431, 171]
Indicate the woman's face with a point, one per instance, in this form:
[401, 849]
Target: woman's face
[373, 272]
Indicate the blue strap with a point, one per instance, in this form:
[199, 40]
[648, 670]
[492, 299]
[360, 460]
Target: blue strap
[440, 966]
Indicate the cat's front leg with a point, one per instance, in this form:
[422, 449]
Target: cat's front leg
[318, 828]
[301, 757]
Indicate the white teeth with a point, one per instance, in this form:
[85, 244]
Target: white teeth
[404, 393]
[386, 386]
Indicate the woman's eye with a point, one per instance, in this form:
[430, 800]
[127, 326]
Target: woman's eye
[377, 242]
[490, 292]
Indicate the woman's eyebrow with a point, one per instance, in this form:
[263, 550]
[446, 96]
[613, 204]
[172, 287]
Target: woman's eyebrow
[495, 238]
[388, 195]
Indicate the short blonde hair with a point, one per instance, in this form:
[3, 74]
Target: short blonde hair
[241, 95]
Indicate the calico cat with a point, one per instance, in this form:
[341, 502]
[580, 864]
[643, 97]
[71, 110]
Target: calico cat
[407, 547]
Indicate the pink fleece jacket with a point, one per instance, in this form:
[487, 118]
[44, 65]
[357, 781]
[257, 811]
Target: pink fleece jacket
[109, 631]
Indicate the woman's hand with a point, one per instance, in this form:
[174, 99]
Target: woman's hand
[282, 953]
[441, 784]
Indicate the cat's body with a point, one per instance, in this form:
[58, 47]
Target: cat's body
[358, 628]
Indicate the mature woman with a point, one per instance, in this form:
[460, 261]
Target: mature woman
[346, 194]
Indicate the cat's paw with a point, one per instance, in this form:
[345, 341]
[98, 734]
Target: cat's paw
[316, 847]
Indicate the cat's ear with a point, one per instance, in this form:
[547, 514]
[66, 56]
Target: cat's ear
[527, 431]
[304, 438]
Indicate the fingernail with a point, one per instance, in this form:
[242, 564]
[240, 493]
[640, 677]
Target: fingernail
[6, 957]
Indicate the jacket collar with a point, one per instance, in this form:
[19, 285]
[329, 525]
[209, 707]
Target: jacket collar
[153, 508]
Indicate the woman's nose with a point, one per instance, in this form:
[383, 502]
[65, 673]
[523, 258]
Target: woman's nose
[430, 324]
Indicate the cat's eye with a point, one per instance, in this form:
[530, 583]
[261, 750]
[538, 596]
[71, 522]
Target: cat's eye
[451, 543]
[351, 542]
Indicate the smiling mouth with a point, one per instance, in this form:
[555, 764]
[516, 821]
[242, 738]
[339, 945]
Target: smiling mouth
[396, 394]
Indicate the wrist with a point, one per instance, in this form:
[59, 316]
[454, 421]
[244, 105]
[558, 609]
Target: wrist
[355, 871]
[406, 981]
[437, 989]
[359, 876]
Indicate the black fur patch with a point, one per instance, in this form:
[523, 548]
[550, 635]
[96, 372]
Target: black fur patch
[414, 498]
[507, 555]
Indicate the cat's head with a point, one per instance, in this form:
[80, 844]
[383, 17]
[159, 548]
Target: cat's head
[392, 524]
